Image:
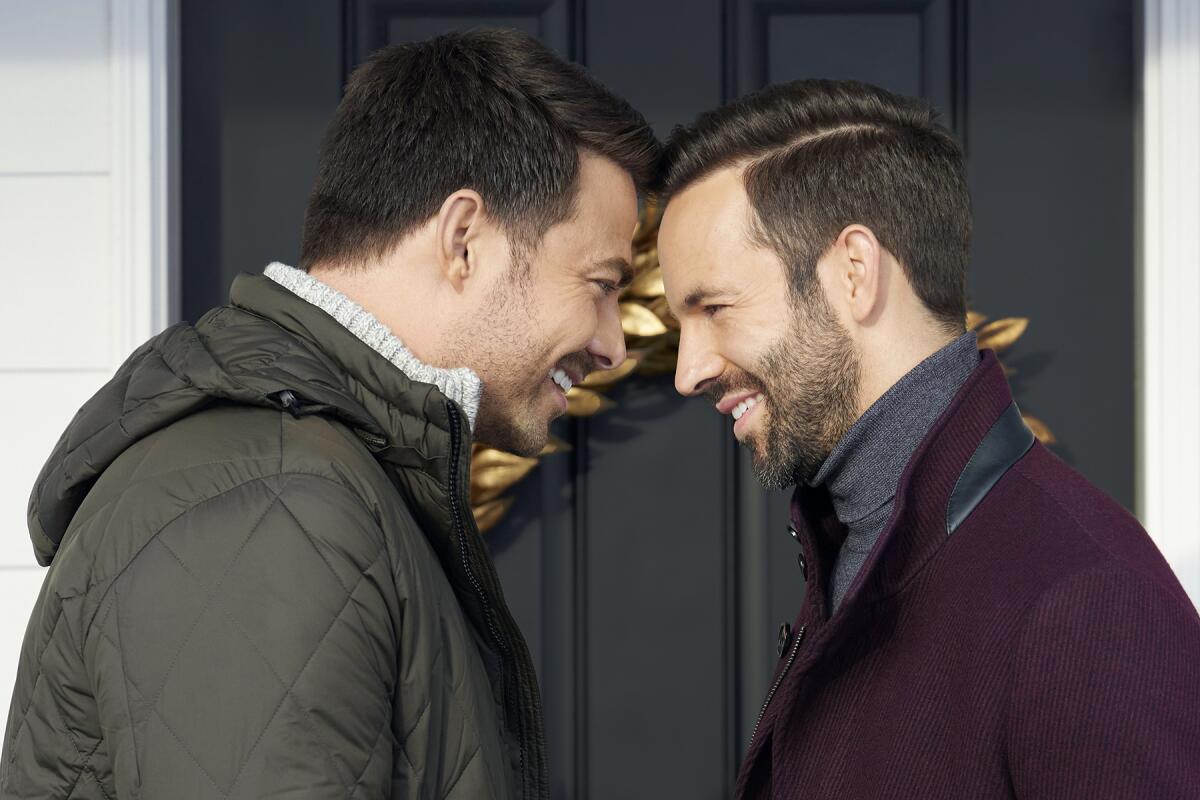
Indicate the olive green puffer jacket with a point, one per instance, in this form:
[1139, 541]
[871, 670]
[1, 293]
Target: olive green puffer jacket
[265, 582]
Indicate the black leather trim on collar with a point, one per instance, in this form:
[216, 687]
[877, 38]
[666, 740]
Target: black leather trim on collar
[1008, 440]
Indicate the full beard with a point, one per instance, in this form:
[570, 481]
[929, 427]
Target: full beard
[810, 379]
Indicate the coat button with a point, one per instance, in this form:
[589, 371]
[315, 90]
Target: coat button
[803, 565]
[785, 635]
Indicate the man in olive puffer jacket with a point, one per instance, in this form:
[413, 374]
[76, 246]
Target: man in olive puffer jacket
[264, 576]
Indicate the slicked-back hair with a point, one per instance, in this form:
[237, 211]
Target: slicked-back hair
[820, 155]
[490, 110]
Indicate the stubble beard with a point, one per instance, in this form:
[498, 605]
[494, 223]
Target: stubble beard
[510, 427]
[501, 345]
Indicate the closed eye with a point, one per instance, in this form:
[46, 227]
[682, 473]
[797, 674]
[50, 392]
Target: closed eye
[608, 287]
[712, 309]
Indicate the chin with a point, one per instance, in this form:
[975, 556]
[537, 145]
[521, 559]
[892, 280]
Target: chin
[521, 428]
[516, 439]
[775, 468]
[529, 448]
[772, 475]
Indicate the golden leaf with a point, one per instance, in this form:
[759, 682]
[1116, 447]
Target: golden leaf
[604, 378]
[648, 285]
[974, 320]
[637, 320]
[1043, 433]
[490, 459]
[556, 445]
[584, 402]
[489, 513]
[493, 471]
[662, 309]
[1000, 335]
[647, 227]
[645, 260]
[658, 362]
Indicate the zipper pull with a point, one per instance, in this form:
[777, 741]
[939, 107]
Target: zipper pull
[374, 442]
[289, 401]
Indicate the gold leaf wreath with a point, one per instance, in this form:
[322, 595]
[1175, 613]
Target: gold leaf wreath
[652, 342]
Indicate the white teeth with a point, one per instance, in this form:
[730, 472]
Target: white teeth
[562, 379]
[744, 406]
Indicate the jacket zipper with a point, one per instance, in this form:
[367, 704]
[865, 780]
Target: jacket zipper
[374, 442]
[460, 530]
[778, 681]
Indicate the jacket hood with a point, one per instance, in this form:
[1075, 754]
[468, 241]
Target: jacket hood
[269, 348]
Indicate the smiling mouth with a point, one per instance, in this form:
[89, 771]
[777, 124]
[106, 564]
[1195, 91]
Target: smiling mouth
[561, 379]
[741, 408]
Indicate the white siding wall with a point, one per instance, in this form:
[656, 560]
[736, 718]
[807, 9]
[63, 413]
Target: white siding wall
[1169, 417]
[82, 237]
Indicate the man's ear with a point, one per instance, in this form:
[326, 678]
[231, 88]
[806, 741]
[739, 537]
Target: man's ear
[458, 225]
[860, 282]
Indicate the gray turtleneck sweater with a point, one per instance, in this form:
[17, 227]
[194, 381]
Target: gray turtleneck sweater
[863, 471]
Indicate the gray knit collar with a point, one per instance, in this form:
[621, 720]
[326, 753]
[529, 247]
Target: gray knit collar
[461, 385]
[863, 471]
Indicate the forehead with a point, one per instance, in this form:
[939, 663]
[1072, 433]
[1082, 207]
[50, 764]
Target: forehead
[704, 228]
[605, 216]
[607, 198]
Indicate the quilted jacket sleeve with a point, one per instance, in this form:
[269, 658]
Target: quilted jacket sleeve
[1105, 692]
[248, 649]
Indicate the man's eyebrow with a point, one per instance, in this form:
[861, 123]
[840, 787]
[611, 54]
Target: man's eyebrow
[620, 265]
[700, 295]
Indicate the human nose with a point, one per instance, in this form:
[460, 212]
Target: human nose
[607, 348]
[698, 364]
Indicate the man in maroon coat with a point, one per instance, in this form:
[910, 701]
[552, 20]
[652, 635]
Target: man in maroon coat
[979, 620]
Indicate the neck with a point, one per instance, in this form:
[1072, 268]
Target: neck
[893, 355]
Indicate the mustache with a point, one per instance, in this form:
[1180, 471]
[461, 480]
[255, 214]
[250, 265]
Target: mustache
[731, 380]
[581, 363]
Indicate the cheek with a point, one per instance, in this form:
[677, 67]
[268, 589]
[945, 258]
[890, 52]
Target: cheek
[575, 321]
[553, 330]
[736, 344]
[551, 324]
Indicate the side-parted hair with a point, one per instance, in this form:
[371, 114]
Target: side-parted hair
[820, 155]
[490, 110]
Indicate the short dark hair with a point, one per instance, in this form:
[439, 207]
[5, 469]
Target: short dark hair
[821, 155]
[490, 110]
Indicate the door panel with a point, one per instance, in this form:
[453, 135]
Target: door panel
[371, 25]
[907, 46]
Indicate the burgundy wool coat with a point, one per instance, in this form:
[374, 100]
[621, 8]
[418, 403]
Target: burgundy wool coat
[1014, 633]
